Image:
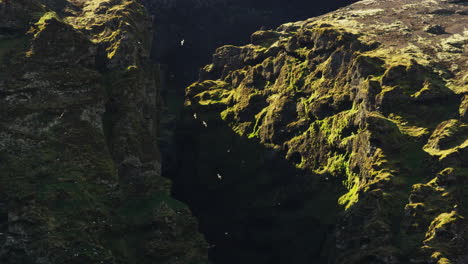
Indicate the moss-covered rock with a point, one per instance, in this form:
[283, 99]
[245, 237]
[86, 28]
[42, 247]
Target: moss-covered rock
[356, 102]
[80, 168]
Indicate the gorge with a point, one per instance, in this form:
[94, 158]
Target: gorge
[339, 138]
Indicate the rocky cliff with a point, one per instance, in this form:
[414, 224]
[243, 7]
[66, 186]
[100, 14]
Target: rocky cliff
[80, 170]
[338, 139]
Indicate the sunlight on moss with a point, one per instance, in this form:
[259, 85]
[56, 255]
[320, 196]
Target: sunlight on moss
[352, 183]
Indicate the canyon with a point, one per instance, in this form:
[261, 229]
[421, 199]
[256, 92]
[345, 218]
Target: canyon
[189, 131]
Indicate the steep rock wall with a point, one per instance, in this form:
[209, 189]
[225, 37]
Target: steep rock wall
[80, 169]
[338, 139]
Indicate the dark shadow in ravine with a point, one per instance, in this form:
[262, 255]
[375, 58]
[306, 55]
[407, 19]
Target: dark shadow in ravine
[253, 205]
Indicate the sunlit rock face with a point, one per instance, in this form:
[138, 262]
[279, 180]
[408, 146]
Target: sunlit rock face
[80, 170]
[337, 139]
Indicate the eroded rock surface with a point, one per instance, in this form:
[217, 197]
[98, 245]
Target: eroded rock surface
[338, 139]
[80, 170]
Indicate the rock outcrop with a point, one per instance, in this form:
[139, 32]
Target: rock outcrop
[80, 170]
[338, 139]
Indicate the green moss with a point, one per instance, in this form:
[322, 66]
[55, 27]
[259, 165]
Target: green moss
[46, 16]
[214, 97]
[40, 24]
[132, 68]
[335, 127]
[448, 138]
[303, 52]
[336, 165]
[258, 119]
[297, 75]
[441, 222]
[353, 185]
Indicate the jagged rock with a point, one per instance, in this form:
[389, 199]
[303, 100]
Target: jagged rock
[362, 109]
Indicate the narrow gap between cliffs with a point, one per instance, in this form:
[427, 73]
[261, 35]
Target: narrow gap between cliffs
[186, 34]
